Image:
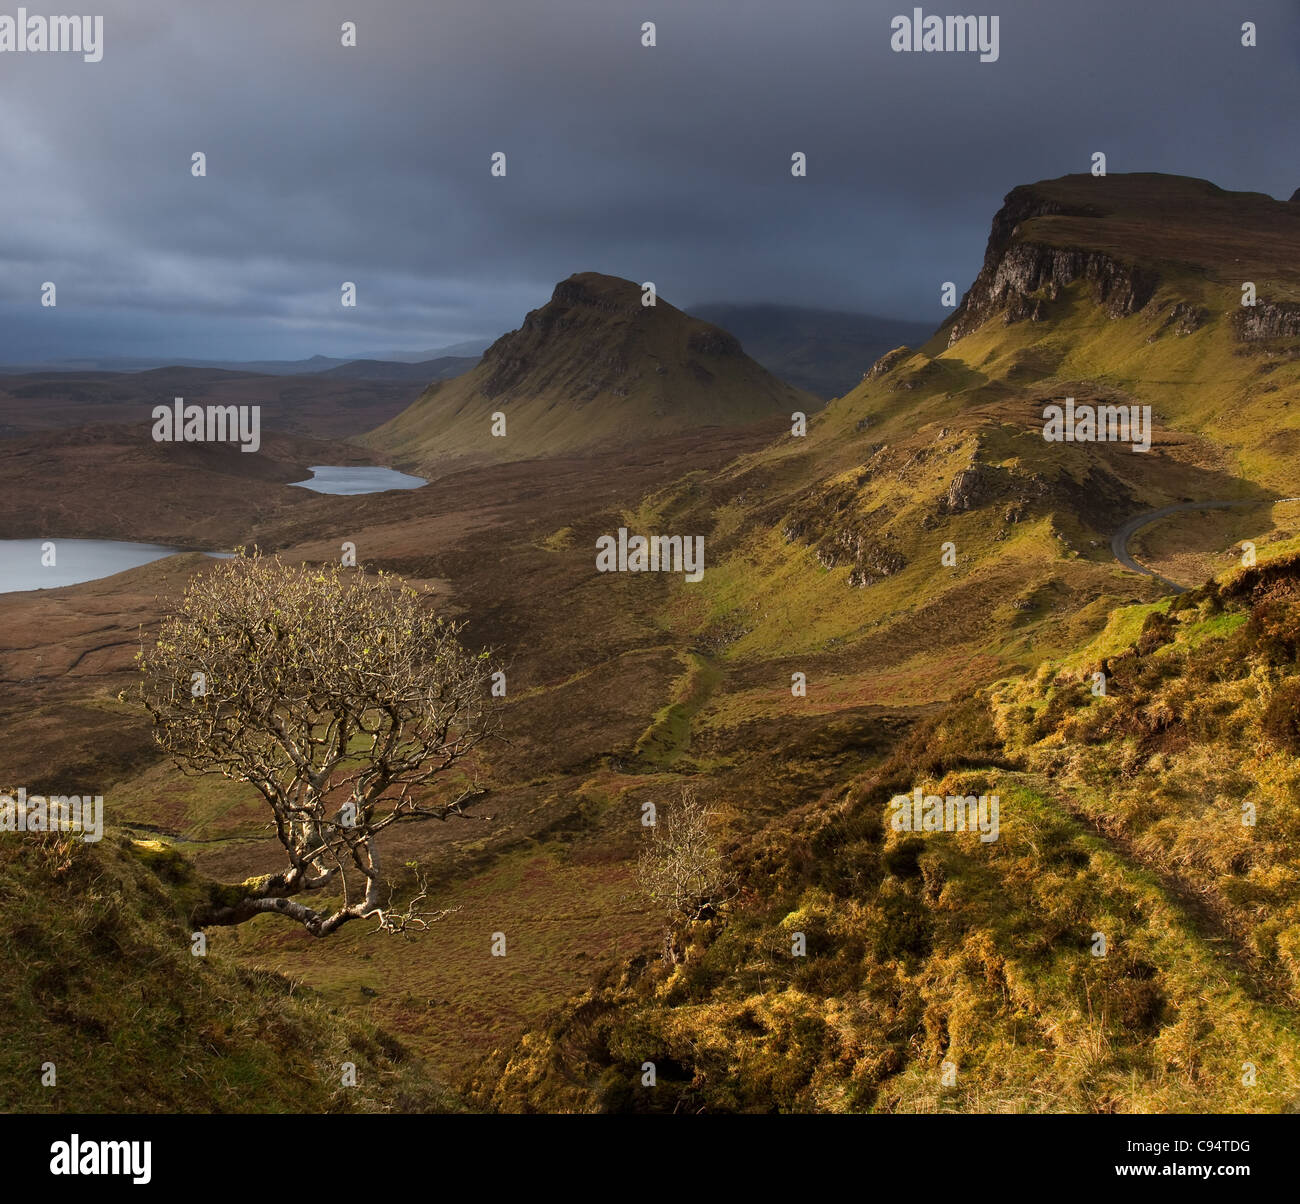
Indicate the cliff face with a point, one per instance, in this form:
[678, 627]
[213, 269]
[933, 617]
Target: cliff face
[1019, 273]
[1128, 235]
[1267, 320]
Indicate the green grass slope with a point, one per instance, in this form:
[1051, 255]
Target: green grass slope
[594, 367]
[99, 980]
[946, 974]
[827, 551]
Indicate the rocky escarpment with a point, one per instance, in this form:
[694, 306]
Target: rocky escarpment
[1267, 320]
[969, 489]
[1020, 274]
[840, 537]
[887, 361]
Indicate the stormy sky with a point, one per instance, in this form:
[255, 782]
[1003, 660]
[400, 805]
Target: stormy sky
[372, 164]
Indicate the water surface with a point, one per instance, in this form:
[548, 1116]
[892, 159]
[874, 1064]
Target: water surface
[327, 478]
[78, 560]
[75, 560]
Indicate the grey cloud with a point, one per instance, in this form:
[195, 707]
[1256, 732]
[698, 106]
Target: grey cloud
[329, 164]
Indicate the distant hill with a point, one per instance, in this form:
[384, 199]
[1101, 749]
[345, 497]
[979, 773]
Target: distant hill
[314, 365]
[822, 350]
[443, 368]
[469, 347]
[593, 367]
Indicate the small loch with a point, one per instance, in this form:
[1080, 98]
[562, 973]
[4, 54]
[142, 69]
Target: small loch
[327, 478]
[24, 562]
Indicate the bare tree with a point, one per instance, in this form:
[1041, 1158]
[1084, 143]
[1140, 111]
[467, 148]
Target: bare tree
[340, 697]
[681, 869]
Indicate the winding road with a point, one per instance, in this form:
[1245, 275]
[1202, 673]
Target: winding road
[1119, 541]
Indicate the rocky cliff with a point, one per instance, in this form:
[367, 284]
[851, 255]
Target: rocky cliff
[1022, 272]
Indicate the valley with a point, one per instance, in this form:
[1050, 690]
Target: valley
[942, 580]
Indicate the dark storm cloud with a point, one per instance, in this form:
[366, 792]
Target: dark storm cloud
[371, 164]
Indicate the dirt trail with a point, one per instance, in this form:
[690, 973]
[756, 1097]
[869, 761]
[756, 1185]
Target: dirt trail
[1206, 917]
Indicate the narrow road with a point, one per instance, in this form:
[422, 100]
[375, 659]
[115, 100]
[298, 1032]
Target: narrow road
[1119, 541]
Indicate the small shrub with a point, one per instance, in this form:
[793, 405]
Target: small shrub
[1157, 630]
[1280, 722]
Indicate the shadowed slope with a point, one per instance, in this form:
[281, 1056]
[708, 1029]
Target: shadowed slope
[593, 367]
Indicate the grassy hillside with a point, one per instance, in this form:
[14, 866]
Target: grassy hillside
[1121, 815]
[946, 974]
[100, 980]
[828, 550]
[592, 368]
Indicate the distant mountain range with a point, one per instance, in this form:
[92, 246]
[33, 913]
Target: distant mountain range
[823, 351]
[444, 367]
[389, 365]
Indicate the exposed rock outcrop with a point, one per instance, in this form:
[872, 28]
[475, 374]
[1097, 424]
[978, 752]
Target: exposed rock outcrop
[840, 537]
[968, 489]
[1267, 320]
[1182, 319]
[886, 362]
[1020, 275]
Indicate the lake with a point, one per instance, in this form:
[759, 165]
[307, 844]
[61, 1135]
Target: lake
[326, 478]
[76, 560]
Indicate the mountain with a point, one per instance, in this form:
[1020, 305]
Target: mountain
[1120, 290]
[1136, 236]
[944, 582]
[821, 350]
[593, 367]
[442, 368]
